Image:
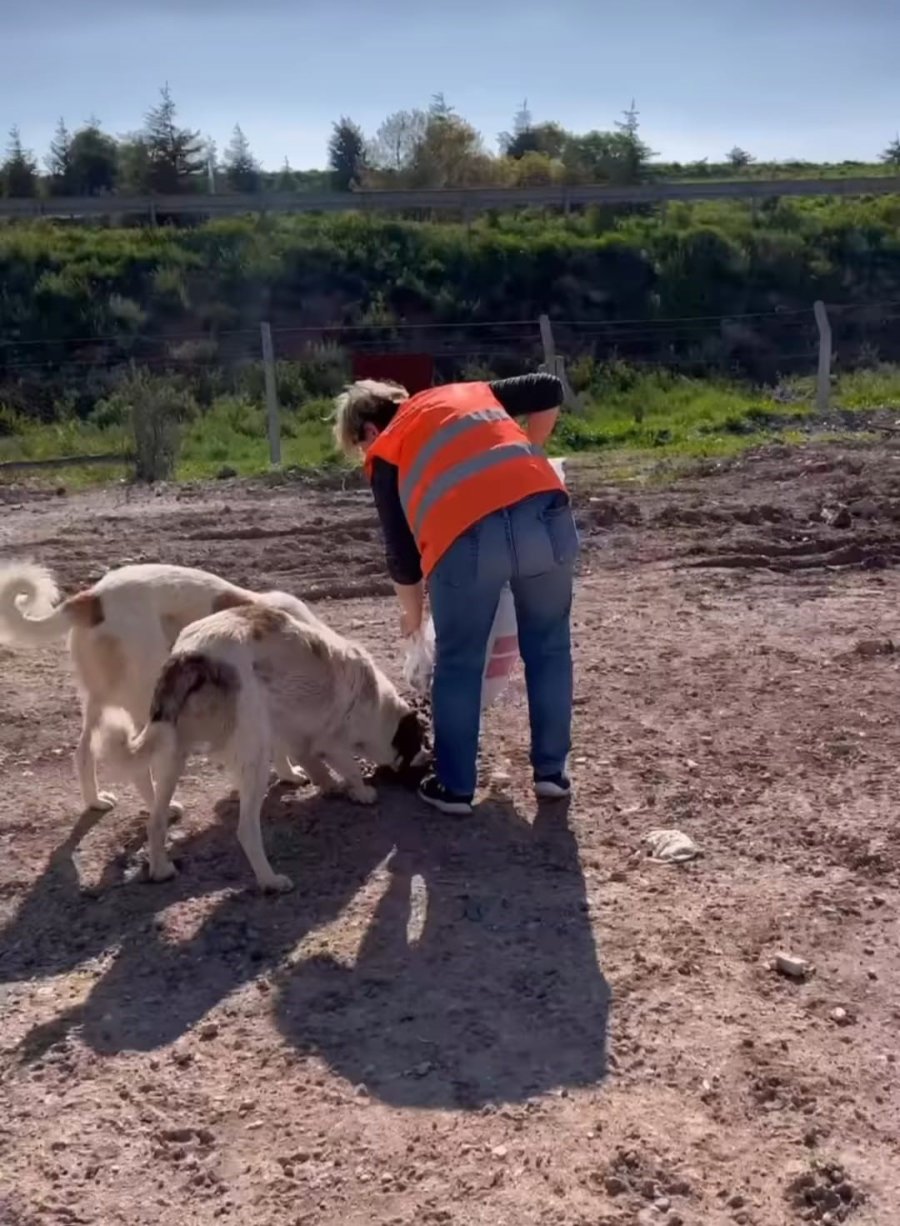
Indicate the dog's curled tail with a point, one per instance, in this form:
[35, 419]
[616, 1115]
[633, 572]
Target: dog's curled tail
[29, 613]
[127, 751]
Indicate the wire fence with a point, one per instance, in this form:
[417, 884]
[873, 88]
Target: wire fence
[61, 378]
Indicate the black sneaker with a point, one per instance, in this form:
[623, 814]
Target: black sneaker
[552, 787]
[433, 792]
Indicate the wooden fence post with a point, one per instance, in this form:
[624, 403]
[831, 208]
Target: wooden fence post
[271, 396]
[823, 377]
[555, 365]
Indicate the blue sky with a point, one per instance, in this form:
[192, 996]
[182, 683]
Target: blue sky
[814, 79]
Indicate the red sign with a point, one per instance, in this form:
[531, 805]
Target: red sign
[414, 371]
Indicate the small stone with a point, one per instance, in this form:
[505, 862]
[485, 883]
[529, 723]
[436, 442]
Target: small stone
[837, 516]
[737, 1201]
[840, 1016]
[661, 1204]
[792, 966]
[500, 1152]
[209, 1031]
[868, 649]
[614, 1185]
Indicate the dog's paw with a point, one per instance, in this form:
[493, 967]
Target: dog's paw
[102, 803]
[164, 871]
[278, 883]
[364, 794]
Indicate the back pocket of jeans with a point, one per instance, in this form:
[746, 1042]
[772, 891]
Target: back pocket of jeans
[560, 524]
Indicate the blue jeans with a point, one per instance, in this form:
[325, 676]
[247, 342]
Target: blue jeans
[532, 546]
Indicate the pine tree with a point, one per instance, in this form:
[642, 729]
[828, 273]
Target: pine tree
[440, 108]
[59, 161]
[628, 124]
[175, 154]
[286, 181]
[242, 170]
[635, 153]
[18, 173]
[346, 154]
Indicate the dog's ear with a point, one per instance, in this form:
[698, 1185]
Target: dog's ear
[410, 737]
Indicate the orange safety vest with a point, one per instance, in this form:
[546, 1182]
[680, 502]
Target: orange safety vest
[459, 456]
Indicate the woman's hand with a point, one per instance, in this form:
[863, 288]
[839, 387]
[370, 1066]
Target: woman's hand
[412, 607]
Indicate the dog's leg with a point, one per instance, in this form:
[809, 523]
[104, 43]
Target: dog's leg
[317, 770]
[253, 789]
[138, 705]
[143, 781]
[286, 772]
[251, 753]
[347, 767]
[161, 867]
[86, 764]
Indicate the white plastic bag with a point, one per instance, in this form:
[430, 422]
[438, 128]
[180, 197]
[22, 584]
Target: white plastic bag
[502, 649]
[419, 663]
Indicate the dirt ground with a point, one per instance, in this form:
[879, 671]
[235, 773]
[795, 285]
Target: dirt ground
[517, 1018]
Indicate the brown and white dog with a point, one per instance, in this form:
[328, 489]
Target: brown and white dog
[120, 633]
[243, 680]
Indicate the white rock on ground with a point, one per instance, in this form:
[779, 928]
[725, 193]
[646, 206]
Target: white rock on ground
[671, 846]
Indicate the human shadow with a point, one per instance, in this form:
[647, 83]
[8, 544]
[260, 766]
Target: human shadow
[498, 997]
[476, 981]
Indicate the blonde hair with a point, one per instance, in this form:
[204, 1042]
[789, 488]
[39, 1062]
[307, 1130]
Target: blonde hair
[367, 401]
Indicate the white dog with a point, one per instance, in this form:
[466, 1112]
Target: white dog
[121, 631]
[241, 680]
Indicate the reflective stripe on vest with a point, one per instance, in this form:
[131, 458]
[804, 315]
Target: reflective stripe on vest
[454, 428]
[466, 468]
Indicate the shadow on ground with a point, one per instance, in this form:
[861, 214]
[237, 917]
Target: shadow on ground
[495, 995]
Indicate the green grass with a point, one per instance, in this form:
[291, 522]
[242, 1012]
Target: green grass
[630, 418]
[660, 411]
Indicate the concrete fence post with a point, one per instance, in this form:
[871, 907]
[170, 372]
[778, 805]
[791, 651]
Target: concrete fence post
[823, 377]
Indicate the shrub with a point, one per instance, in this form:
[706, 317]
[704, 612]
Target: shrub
[158, 409]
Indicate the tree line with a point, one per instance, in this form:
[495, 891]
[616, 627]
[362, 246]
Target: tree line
[434, 147]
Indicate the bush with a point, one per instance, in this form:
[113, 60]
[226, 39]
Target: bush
[158, 409]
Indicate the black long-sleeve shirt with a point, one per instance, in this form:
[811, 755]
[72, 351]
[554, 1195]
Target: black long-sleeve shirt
[521, 397]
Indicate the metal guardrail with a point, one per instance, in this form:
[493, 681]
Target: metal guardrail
[461, 200]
